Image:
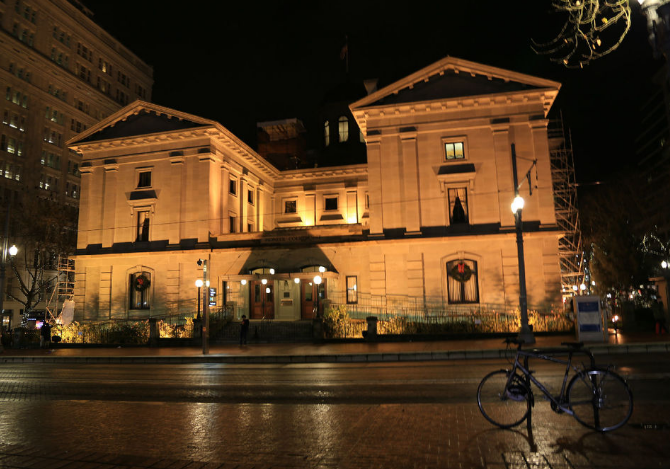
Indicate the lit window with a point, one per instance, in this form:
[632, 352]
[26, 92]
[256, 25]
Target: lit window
[454, 151]
[462, 281]
[352, 289]
[458, 205]
[343, 128]
[326, 133]
[140, 290]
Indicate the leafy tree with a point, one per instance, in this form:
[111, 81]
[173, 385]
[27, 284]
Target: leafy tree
[611, 215]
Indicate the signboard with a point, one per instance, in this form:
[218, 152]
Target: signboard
[212, 296]
[590, 325]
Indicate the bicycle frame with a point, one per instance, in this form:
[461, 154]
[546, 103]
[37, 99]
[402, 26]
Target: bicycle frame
[546, 354]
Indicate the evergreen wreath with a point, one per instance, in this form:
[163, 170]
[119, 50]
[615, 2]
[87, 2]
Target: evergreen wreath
[141, 282]
[461, 272]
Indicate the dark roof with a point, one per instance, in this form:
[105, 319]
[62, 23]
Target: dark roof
[142, 123]
[453, 85]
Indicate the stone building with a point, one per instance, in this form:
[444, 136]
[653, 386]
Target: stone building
[60, 74]
[426, 221]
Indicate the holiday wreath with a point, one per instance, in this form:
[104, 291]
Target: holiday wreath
[461, 272]
[142, 282]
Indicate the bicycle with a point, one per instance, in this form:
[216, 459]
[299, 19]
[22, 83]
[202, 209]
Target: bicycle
[597, 397]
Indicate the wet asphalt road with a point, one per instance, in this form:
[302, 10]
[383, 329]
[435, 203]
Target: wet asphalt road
[421, 414]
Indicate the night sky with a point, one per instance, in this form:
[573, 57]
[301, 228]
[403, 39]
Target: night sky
[243, 62]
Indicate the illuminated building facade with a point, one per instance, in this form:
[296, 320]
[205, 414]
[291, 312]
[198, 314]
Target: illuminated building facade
[60, 74]
[427, 218]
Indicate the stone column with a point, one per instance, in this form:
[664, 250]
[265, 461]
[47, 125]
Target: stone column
[410, 175]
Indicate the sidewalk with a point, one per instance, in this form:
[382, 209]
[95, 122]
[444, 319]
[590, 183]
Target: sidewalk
[328, 352]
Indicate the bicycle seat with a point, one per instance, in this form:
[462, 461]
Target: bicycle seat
[573, 344]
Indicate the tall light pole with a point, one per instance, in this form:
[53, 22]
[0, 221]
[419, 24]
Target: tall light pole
[3, 262]
[317, 282]
[199, 284]
[525, 332]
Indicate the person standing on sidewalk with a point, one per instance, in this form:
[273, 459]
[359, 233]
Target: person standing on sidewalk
[244, 330]
[45, 335]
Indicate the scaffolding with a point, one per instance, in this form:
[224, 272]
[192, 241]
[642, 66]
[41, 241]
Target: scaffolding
[63, 289]
[570, 249]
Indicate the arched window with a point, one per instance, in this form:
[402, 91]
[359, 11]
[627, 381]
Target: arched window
[326, 133]
[462, 282]
[140, 290]
[343, 128]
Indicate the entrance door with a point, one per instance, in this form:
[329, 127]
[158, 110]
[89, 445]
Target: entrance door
[309, 292]
[262, 301]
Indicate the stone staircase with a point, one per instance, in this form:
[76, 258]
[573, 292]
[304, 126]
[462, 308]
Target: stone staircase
[262, 331]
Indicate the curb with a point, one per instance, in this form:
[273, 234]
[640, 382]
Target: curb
[338, 358]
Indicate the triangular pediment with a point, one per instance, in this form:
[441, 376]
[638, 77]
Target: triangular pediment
[140, 119]
[453, 78]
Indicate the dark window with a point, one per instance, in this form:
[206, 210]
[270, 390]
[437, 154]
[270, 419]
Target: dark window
[140, 290]
[352, 289]
[458, 206]
[233, 228]
[144, 179]
[331, 203]
[462, 281]
[290, 206]
[143, 225]
[250, 196]
[232, 188]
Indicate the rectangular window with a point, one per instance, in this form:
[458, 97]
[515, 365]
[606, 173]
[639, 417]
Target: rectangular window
[290, 206]
[454, 150]
[143, 220]
[250, 196]
[232, 187]
[232, 219]
[144, 179]
[352, 289]
[250, 227]
[330, 203]
[458, 205]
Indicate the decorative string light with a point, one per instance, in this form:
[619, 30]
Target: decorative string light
[593, 28]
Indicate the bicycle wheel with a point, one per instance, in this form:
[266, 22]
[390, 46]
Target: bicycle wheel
[502, 405]
[600, 399]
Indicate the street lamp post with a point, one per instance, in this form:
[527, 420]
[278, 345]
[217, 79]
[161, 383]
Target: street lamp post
[525, 333]
[317, 282]
[198, 283]
[3, 263]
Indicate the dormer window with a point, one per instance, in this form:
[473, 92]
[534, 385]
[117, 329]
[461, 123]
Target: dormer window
[144, 179]
[343, 128]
